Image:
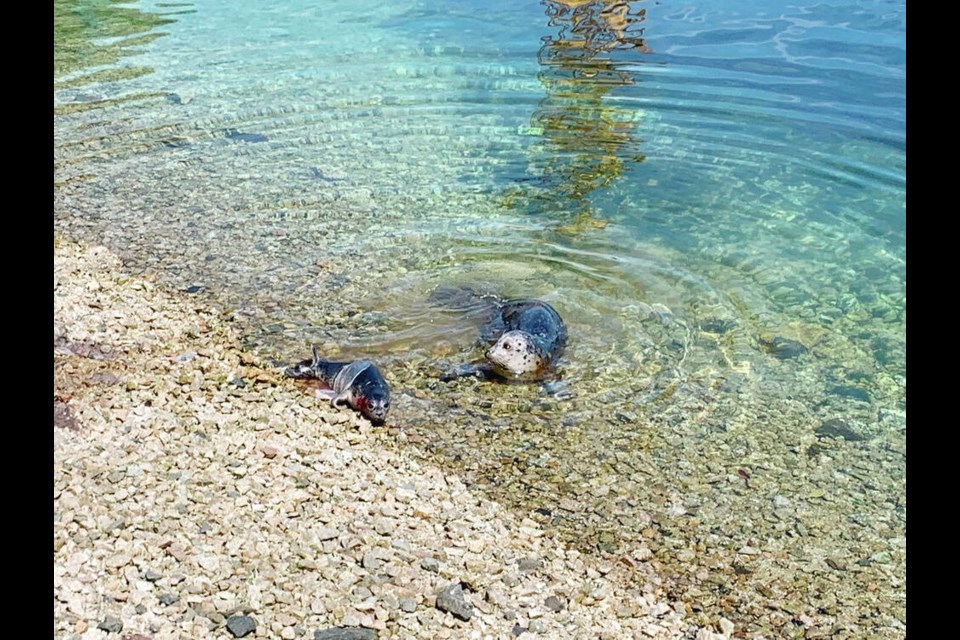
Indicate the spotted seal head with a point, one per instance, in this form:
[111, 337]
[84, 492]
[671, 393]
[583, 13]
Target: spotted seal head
[517, 355]
[524, 338]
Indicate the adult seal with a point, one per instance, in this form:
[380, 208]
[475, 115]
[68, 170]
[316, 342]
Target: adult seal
[525, 337]
[358, 384]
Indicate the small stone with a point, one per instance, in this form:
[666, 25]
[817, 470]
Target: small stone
[388, 510]
[151, 575]
[111, 625]
[117, 561]
[517, 630]
[780, 502]
[269, 452]
[370, 604]
[285, 619]
[536, 626]
[345, 633]
[430, 564]
[476, 546]
[554, 604]
[63, 416]
[405, 492]
[484, 606]
[407, 604]
[240, 626]
[327, 534]
[362, 593]
[452, 600]
[116, 476]
[370, 561]
[168, 599]
[529, 565]
[384, 527]
[389, 602]
[495, 597]
[726, 627]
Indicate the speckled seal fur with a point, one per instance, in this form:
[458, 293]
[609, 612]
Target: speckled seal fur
[526, 337]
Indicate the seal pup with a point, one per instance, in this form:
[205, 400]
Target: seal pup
[358, 384]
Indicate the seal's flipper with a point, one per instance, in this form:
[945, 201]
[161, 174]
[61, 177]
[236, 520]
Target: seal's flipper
[344, 398]
[345, 377]
[478, 370]
[326, 394]
[306, 369]
[300, 371]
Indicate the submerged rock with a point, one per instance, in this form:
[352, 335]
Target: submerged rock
[717, 325]
[837, 428]
[851, 392]
[782, 348]
[238, 136]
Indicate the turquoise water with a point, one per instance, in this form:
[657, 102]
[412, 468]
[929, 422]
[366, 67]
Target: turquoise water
[689, 185]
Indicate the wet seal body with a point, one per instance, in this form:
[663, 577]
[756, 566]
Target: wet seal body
[526, 339]
[530, 337]
[358, 384]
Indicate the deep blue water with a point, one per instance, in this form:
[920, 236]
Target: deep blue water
[685, 182]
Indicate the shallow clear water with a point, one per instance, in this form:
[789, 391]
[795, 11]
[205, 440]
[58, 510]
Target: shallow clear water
[686, 184]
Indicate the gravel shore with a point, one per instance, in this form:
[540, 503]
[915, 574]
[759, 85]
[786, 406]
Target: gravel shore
[199, 494]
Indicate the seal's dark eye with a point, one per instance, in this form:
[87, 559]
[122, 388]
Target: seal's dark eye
[507, 346]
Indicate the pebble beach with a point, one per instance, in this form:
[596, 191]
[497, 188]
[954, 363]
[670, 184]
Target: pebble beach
[200, 494]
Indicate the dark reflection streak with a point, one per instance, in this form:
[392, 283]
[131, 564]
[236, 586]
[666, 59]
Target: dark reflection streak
[586, 141]
[77, 24]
